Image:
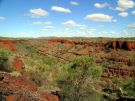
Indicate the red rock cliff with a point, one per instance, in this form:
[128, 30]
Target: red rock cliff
[126, 45]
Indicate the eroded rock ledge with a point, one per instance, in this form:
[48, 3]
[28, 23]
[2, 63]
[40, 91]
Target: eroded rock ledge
[126, 45]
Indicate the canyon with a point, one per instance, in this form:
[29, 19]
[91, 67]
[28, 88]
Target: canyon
[117, 58]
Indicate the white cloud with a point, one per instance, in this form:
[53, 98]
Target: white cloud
[132, 26]
[2, 18]
[123, 14]
[86, 32]
[71, 23]
[47, 27]
[99, 17]
[74, 3]
[125, 4]
[109, 33]
[133, 12]
[113, 32]
[101, 5]
[83, 29]
[37, 13]
[42, 23]
[60, 9]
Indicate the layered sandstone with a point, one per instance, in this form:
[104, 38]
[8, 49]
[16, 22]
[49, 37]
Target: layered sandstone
[126, 45]
[118, 72]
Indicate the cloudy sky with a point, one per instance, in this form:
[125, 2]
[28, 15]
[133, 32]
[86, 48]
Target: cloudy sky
[67, 18]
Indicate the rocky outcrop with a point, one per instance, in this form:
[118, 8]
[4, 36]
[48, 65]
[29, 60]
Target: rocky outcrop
[61, 41]
[126, 45]
[85, 43]
[69, 47]
[125, 61]
[113, 71]
[20, 89]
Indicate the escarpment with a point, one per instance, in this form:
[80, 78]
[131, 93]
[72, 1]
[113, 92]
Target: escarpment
[125, 45]
[78, 48]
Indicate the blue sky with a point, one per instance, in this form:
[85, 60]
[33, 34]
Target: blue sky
[67, 18]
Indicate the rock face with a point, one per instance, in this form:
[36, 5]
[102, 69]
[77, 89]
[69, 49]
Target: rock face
[85, 43]
[19, 89]
[109, 71]
[61, 41]
[126, 45]
[87, 47]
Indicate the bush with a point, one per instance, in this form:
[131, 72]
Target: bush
[4, 60]
[16, 74]
[77, 80]
[2, 97]
[4, 53]
[120, 88]
[128, 87]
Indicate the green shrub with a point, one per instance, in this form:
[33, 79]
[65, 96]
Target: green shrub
[16, 74]
[4, 60]
[2, 97]
[77, 80]
[120, 88]
[4, 53]
[128, 87]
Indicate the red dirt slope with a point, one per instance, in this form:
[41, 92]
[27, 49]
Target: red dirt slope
[18, 64]
[19, 89]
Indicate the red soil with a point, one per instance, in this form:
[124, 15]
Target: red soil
[20, 89]
[48, 97]
[9, 44]
[18, 64]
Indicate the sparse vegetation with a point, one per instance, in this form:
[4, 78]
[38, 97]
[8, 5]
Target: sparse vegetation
[120, 88]
[16, 74]
[77, 80]
[4, 53]
[76, 77]
[4, 60]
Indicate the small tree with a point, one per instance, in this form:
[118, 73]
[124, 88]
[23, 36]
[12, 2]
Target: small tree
[127, 88]
[76, 80]
[120, 88]
[4, 52]
[4, 60]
